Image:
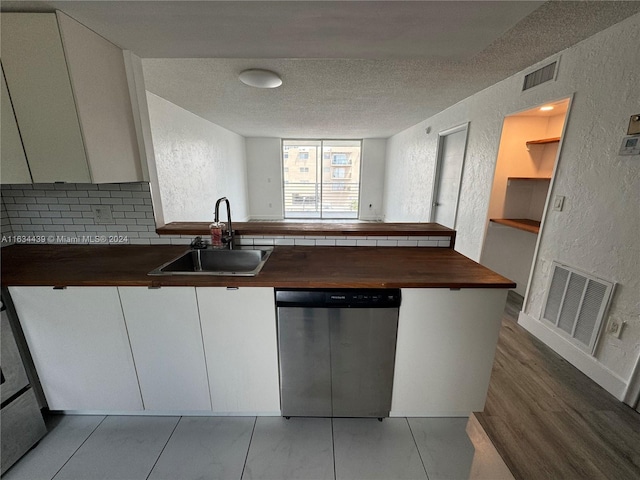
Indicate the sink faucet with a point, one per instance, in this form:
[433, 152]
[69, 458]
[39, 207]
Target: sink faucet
[228, 239]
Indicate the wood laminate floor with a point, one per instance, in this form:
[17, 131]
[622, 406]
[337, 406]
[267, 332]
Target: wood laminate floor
[548, 420]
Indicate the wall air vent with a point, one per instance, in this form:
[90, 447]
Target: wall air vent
[540, 76]
[576, 303]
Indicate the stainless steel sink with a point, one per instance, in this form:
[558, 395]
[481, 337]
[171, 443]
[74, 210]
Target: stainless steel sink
[237, 262]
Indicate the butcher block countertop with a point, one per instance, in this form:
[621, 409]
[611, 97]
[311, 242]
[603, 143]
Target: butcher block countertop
[314, 228]
[289, 267]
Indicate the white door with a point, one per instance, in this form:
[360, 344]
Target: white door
[452, 145]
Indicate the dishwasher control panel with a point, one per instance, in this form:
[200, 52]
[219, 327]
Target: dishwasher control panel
[343, 298]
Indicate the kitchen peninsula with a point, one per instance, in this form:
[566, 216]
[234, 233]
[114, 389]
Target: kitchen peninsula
[106, 338]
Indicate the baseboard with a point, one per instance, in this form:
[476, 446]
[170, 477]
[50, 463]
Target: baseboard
[434, 414]
[587, 364]
[167, 413]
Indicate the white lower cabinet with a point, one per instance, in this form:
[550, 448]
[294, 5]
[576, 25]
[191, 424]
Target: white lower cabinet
[78, 340]
[445, 349]
[164, 330]
[239, 333]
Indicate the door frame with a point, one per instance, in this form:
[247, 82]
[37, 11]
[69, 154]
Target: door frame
[536, 251]
[438, 169]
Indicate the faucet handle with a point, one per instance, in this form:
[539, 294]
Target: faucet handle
[198, 243]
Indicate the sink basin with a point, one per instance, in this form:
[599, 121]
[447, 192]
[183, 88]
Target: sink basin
[239, 262]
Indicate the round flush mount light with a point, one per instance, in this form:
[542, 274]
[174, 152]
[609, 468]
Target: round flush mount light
[260, 78]
[546, 108]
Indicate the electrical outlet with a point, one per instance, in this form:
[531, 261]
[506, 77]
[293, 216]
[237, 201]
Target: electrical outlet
[558, 203]
[102, 214]
[615, 327]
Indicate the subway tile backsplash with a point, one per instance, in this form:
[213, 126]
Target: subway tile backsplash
[369, 241]
[65, 213]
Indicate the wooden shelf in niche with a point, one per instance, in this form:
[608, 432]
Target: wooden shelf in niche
[543, 141]
[531, 226]
[547, 179]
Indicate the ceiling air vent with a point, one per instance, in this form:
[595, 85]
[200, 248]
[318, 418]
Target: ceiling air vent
[576, 303]
[539, 76]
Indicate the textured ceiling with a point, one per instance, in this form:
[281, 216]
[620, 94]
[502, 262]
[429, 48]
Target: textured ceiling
[350, 69]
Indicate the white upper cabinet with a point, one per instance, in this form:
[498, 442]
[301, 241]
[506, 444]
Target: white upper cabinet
[14, 162]
[38, 81]
[99, 81]
[71, 100]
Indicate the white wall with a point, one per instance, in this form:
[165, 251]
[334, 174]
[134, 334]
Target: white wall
[598, 230]
[509, 251]
[211, 161]
[264, 178]
[372, 178]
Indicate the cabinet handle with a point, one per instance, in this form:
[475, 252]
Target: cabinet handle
[60, 287]
[233, 288]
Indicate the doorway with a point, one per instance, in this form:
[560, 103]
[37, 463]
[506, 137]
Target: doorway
[526, 163]
[452, 146]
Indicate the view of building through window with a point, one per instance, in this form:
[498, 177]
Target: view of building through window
[321, 178]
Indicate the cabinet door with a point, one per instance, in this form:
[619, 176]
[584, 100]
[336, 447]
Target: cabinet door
[38, 81]
[239, 333]
[79, 344]
[164, 330]
[445, 350]
[101, 90]
[14, 162]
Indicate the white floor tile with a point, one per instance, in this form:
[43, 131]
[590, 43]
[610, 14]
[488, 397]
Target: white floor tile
[122, 447]
[66, 435]
[368, 449]
[205, 448]
[298, 448]
[446, 451]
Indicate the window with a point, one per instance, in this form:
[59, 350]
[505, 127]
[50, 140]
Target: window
[340, 159]
[328, 186]
[339, 173]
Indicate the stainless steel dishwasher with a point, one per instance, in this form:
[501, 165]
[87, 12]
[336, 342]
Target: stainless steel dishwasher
[337, 351]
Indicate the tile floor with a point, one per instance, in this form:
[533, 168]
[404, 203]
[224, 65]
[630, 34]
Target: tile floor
[182, 448]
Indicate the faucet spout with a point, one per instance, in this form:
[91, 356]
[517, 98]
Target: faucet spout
[229, 238]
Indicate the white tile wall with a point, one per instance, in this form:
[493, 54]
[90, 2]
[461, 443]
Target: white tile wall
[5, 229]
[60, 213]
[357, 241]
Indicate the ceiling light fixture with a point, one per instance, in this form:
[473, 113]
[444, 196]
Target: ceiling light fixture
[546, 108]
[260, 78]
